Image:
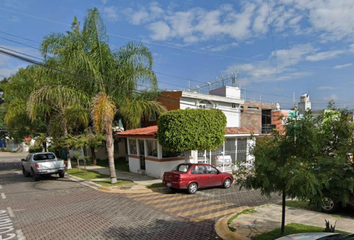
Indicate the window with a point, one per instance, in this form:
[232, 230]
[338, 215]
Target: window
[252, 108]
[46, 156]
[211, 170]
[181, 168]
[241, 149]
[132, 147]
[205, 104]
[151, 148]
[199, 170]
[141, 147]
[234, 105]
[168, 154]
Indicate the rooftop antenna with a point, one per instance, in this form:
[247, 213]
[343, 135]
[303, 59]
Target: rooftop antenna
[234, 77]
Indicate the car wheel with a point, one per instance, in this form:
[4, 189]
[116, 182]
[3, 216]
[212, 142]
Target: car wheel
[329, 205]
[25, 173]
[61, 175]
[192, 188]
[227, 183]
[34, 175]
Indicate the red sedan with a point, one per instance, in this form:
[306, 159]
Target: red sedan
[193, 176]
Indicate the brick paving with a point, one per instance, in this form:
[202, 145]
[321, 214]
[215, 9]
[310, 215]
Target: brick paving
[56, 208]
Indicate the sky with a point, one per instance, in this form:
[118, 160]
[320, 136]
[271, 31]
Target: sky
[277, 48]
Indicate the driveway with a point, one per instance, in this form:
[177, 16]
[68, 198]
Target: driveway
[61, 209]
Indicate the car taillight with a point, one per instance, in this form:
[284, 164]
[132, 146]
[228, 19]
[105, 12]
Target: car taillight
[36, 165]
[64, 163]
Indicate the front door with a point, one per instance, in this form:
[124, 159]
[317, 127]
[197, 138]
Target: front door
[142, 154]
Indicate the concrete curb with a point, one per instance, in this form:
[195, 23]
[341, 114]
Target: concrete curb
[138, 188]
[222, 229]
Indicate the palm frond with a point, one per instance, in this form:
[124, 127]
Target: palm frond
[102, 111]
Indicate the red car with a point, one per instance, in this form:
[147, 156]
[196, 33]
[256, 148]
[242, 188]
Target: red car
[193, 176]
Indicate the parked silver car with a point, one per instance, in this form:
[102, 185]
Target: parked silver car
[44, 163]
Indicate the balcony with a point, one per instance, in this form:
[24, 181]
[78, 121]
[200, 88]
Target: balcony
[268, 128]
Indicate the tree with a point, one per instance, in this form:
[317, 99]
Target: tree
[191, 129]
[284, 164]
[110, 79]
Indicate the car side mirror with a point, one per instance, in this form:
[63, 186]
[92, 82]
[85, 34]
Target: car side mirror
[22, 160]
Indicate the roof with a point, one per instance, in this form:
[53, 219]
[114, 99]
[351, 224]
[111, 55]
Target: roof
[151, 132]
[239, 130]
[147, 132]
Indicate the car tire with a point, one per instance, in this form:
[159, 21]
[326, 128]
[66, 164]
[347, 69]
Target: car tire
[192, 188]
[34, 175]
[227, 183]
[62, 175]
[25, 173]
[329, 205]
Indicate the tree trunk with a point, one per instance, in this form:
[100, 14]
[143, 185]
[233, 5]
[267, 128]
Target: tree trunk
[93, 156]
[283, 214]
[110, 152]
[67, 150]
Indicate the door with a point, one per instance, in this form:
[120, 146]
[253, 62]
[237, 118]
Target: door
[141, 154]
[26, 163]
[215, 178]
[200, 176]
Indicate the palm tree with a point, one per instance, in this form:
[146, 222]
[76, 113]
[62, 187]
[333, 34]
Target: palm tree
[93, 71]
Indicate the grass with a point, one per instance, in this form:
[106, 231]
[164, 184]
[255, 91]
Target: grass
[88, 176]
[107, 183]
[120, 164]
[246, 211]
[291, 228]
[155, 185]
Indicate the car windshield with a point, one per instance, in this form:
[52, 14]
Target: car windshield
[44, 156]
[181, 168]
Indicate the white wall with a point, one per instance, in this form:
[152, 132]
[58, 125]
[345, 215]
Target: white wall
[157, 169]
[233, 115]
[134, 164]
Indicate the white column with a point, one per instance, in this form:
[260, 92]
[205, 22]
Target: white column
[128, 147]
[145, 148]
[159, 150]
[223, 156]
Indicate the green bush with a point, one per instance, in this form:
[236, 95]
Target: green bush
[35, 149]
[191, 129]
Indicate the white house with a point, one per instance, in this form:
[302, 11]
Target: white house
[147, 156]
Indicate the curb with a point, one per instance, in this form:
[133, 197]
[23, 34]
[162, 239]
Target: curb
[97, 187]
[222, 229]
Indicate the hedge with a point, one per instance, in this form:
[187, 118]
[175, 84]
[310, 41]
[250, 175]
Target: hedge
[191, 129]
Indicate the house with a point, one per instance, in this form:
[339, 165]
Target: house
[147, 156]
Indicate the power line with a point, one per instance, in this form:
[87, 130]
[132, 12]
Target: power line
[159, 44]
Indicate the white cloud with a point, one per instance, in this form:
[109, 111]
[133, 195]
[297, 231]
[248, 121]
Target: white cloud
[324, 55]
[343, 66]
[351, 48]
[110, 13]
[325, 88]
[161, 30]
[267, 71]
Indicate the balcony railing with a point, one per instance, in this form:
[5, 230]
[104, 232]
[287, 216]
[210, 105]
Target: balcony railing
[268, 128]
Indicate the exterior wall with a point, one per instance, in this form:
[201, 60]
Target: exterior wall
[119, 150]
[157, 168]
[277, 117]
[252, 118]
[134, 164]
[233, 115]
[227, 91]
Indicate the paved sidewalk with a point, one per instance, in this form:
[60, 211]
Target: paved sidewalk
[267, 218]
[135, 177]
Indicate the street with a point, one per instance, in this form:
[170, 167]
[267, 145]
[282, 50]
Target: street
[62, 209]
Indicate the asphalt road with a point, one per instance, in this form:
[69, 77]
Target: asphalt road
[56, 208]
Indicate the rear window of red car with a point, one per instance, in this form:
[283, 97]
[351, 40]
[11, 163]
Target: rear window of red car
[182, 168]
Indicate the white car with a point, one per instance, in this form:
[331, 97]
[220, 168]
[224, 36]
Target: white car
[223, 160]
[44, 163]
